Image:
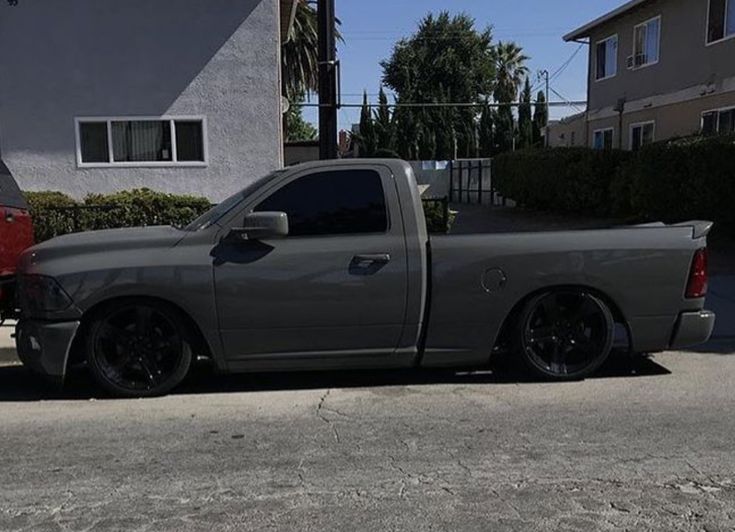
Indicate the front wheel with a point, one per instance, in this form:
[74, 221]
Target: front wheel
[138, 349]
[565, 334]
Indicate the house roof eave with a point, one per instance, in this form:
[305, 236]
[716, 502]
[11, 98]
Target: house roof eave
[288, 15]
[584, 31]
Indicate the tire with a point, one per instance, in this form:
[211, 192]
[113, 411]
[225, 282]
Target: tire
[138, 349]
[565, 334]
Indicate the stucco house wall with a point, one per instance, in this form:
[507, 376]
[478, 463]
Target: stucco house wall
[219, 60]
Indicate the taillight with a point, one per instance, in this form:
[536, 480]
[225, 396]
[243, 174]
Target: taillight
[698, 277]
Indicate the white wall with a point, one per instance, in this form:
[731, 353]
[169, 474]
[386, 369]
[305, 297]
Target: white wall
[63, 59]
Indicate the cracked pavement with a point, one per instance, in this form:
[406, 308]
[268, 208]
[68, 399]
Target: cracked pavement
[648, 445]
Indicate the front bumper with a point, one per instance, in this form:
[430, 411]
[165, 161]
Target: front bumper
[44, 346]
[693, 328]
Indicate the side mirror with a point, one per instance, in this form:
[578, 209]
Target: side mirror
[261, 226]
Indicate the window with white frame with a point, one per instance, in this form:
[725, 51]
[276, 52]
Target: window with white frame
[606, 55]
[721, 20]
[720, 121]
[141, 141]
[641, 135]
[603, 139]
[646, 43]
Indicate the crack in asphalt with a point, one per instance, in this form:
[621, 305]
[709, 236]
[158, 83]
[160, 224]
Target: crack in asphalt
[319, 412]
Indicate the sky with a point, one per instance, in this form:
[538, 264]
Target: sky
[371, 28]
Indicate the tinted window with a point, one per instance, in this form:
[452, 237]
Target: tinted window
[93, 142]
[332, 203]
[189, 141]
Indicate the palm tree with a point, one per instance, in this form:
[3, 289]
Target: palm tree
[300, 54]
[510, 70]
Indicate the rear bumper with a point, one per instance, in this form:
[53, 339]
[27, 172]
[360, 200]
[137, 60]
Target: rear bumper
[44, 346]
[693, 328]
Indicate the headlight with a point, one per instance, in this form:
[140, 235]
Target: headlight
[37, 293]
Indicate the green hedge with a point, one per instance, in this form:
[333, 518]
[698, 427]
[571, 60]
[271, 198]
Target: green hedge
[56, 214]
[569, 180]
[672, 181]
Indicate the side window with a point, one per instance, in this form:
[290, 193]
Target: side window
[345, 202]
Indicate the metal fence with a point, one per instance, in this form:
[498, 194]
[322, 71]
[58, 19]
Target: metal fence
[471, 181]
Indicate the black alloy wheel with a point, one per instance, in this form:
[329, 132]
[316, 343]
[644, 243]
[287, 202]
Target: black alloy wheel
[566, 334]
[138, 349]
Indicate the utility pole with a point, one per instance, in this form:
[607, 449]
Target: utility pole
[328, 141]
[545, 74]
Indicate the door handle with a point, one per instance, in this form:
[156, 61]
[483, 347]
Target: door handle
[372, 258]
[9, 218]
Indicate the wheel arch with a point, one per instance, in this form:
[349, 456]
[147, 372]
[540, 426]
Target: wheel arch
[199, 343]
[512, 318]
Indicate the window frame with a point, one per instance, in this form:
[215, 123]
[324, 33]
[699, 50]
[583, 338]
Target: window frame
[264, 195]
[617, 56]
[660, 31]
[718, 111]
[726, 37]
[603, 131]
[172, 119]
[641, 125]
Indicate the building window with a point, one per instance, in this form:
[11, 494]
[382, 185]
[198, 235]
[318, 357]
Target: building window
[141, 142]
[721, 20]
[641, 135]
[574, 138]
[646, 43]
[603, 139]
[607, 58]
[721, 121]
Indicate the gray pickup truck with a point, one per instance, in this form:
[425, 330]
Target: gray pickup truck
[329, 266]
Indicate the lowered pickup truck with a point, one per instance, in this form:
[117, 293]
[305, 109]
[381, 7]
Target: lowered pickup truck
[329, 266]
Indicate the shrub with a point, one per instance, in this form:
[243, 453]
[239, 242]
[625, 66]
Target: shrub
[569, 180]
[439, 218]
[676, 182]
[673, 181]
[56, 214]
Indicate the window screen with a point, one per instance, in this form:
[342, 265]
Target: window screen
[332, 203]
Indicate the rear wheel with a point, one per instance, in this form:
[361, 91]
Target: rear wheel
[138, 349]
[565, 334]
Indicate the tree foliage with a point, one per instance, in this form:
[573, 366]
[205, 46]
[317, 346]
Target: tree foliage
[296, 127]
[367, 138]
[540, 117]
[446, 61]
[525, 122]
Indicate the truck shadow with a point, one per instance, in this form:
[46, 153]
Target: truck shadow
[19, 385]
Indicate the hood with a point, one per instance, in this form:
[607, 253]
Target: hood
[95, 241]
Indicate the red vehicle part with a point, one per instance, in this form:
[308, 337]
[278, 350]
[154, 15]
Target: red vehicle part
[16, 232]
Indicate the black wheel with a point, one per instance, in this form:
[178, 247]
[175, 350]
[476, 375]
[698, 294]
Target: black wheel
[138, 349]
[565, 334]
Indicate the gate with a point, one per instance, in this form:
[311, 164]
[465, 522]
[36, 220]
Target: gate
[470, 181]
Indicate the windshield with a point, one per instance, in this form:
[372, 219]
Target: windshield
[213, 215]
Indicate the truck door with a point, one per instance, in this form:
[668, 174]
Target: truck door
[336, 285]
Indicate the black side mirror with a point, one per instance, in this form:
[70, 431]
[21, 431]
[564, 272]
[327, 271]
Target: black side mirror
[261, 226]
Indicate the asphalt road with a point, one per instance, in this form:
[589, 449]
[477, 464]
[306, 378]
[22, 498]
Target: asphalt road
[648, 445]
